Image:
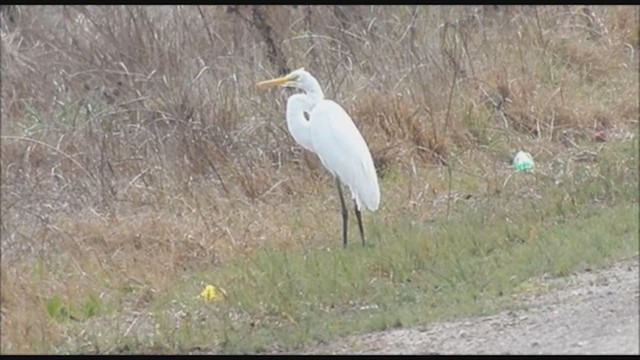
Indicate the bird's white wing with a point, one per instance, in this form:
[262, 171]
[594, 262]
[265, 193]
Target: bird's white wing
[343, 151]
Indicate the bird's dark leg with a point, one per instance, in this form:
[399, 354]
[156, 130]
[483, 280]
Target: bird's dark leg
[345, 214]
[359, 217]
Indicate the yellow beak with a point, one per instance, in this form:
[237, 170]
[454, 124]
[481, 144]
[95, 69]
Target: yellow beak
[273, 82]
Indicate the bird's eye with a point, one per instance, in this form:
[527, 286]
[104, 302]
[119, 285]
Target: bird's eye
[306, 115]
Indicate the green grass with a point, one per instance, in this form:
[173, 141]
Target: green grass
[414, 272]
[418, 276]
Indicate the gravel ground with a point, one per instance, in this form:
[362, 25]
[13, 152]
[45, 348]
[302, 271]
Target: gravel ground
[594, 312]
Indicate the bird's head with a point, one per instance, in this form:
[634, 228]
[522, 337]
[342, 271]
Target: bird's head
[300, 79]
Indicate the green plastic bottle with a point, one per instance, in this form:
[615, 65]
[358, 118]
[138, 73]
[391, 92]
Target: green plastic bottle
[523, 161]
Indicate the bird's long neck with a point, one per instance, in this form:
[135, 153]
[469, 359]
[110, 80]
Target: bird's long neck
[298, 125]
[297, 105]
[314, 92]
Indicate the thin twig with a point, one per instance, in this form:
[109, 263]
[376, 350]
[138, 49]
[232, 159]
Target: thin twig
[444, 134]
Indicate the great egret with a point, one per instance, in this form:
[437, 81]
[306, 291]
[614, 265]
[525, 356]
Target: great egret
[332, 135]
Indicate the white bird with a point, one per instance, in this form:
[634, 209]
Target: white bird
[331, 134]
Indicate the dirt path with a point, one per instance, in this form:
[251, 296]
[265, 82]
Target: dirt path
[589, 313]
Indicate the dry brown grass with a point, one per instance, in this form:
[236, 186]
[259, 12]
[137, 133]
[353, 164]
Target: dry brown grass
[135, 148]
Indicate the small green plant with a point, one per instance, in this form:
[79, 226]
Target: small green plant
[60, 310]
[91, 307]
[57, 309]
